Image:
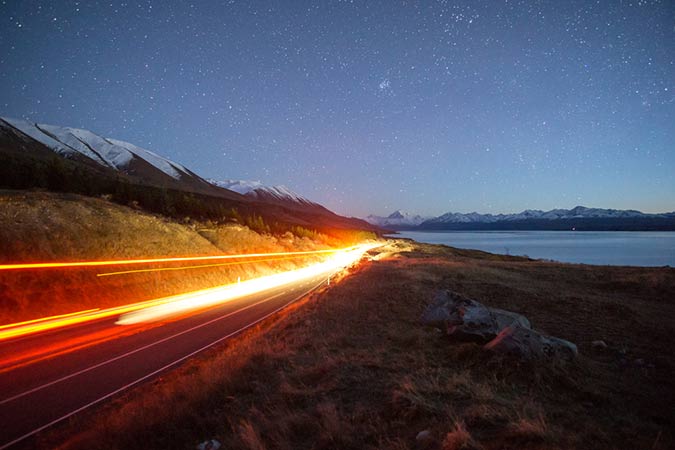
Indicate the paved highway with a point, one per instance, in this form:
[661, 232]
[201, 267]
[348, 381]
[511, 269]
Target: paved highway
[48, 377]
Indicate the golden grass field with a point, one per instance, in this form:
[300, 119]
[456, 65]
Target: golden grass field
[352, 368]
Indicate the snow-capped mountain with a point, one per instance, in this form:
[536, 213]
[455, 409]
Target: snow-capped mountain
[86, 146]
[259, 191]
[396, 220]
[578, 212]
[577, 218]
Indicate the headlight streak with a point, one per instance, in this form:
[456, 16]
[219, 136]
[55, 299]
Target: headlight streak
[183, 303]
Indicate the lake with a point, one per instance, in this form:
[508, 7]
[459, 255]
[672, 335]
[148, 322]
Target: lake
[635, 248]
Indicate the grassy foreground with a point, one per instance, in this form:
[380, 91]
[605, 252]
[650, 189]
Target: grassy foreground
[350, 367]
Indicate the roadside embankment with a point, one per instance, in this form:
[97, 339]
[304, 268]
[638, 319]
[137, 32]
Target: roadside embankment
[48, 227]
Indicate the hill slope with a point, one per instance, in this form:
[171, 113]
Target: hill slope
[73, 160]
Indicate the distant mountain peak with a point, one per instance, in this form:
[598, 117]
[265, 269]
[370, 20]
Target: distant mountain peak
[396, 220]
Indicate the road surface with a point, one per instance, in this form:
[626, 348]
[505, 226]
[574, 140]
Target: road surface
[48, 377]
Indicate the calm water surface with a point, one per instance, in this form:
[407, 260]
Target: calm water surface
[635, 248]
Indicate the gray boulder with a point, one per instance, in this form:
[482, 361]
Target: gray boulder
[464, 319]
[506, 332]
[526, 343]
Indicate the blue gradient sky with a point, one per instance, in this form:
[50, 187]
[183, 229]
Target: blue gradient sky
[367, 107]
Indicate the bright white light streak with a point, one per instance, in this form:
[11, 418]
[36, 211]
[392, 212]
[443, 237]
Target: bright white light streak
[183, 303]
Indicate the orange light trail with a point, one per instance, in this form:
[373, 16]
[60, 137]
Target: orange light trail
[152, 310]
[119, 262]
[193, 301]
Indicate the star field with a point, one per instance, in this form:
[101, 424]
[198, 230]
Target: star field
[367, 107]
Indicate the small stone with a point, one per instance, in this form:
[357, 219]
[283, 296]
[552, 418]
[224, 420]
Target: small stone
[423, 436]
[599, 345]
[424, 440]
[209, 445]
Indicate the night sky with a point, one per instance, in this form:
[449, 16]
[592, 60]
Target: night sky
[368, 106]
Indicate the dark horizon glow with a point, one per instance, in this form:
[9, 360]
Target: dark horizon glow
[368, 107]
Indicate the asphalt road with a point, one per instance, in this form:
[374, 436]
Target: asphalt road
[51, 376]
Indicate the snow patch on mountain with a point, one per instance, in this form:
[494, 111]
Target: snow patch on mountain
[31, 130]
[168, 167]
[69, 138]
[243, 187]
[258, 190]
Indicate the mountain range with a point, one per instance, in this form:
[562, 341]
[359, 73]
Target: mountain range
[28, 151]
[86, 160]
[577, 218]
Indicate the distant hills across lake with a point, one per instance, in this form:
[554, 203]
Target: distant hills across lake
[579, 218]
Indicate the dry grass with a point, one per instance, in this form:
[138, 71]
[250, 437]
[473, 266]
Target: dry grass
[40, 226]
[351, 368]
[458, 438]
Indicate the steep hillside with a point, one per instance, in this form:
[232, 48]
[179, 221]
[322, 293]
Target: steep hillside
[140, 165]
